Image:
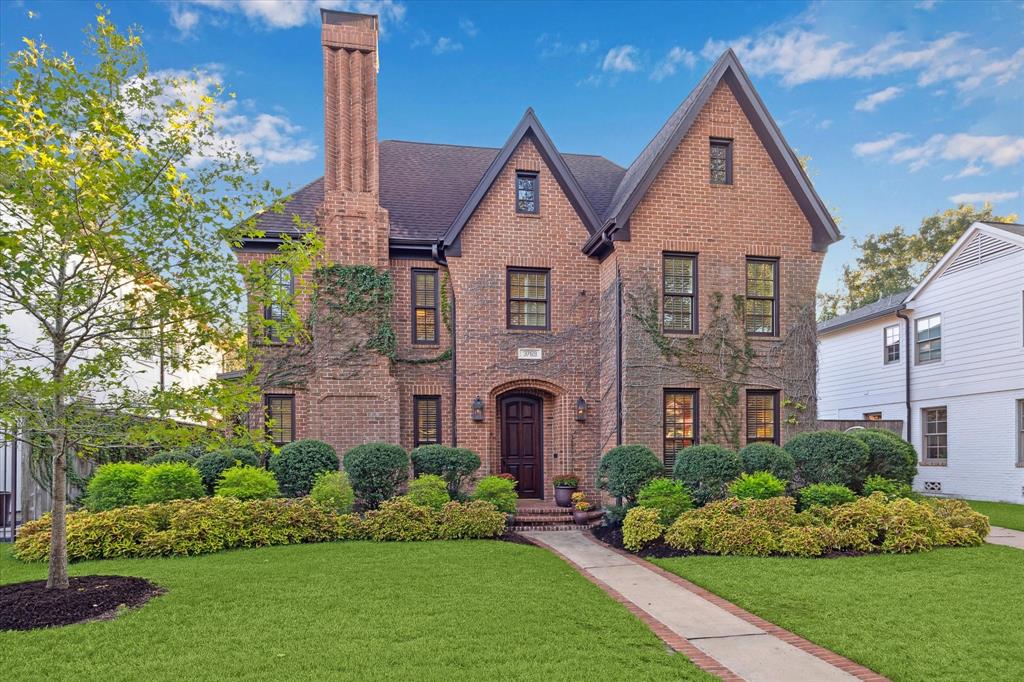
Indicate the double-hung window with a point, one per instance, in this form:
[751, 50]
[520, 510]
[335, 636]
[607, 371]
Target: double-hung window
[426, 418]
[679, 293]
[282, 285]
[761, 310]
[891, 340]
[929, 338]
[528, 297]
[280, 418]
[934, 436]
[763, 417]
[424, 306]
[680, 423]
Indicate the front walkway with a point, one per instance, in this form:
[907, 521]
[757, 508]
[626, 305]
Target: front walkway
[715, 634]
[1006, 536]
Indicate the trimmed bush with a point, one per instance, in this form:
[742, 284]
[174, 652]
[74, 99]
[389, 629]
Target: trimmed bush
[247, 483]
[212, 464]
[499, 491]
[825, 495]
[625, 469]
[829, 457]
[889, 456]
[376, 472]
[454, 465]
[891, 489]
[429, 491]
[113, 485]
[641, 527]
[768, 457]
[758, 486]
[298, 463]
[476, 519]
[170, 481]
[333, 491]
[706, 470]
[669, 498]
[400, 520]
[187, 455]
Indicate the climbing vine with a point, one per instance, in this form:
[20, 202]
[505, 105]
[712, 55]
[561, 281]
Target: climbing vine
[356, 292]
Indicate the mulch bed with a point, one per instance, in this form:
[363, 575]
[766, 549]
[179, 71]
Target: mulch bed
[27, 606]
[513, 537]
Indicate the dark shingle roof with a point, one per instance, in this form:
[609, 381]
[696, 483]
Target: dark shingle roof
[883, 306]
[1012, 228]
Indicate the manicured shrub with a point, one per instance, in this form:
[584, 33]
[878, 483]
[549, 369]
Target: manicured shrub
[400, 520]
[113, 485]
[247, 483]
[669, 498]
[825, 495]
[625, 469]
[429, 491]
[768, 457]
[170, 481]
[759, 486]
[376, 472]
[706, 470]
[298, 463]
[891, 489]
[454, 465]
[829, 457]
[641, 527]
[187, 455]
[499, 491]
[475, 519]
[959, 515]
[333, 491]
[889, 456]
[211, 465]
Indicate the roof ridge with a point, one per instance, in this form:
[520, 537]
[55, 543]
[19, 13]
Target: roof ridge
[496, 149]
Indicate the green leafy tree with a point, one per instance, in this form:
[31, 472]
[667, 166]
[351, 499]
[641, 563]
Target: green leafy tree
[118, 204]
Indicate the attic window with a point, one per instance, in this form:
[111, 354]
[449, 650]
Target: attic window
[721, 161]
[527, 199]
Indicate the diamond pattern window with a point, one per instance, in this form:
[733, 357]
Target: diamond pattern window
[527, 192]
[721, 161]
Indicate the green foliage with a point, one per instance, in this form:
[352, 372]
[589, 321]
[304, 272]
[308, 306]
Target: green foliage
[829, 457]
[891, 489]
[768, 457]
[566, 481]
[376, 471]
[889, 456]
[400, 520]
[669, 498]
[641, 527]
[113, 485]
[429, 491]
[625, 469]
[298, 463]
[825, 495]
[212, 464]
[499, 491]
[186, 455]
[170, 481]
[359, 292]
[760, 485]
[333, 491]
[247, 483]
[475, 519]
[454, 465]
[706, 470]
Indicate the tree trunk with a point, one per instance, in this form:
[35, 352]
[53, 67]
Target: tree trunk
[57, 575]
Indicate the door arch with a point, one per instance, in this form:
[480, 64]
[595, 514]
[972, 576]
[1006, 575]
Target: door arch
[522, 442]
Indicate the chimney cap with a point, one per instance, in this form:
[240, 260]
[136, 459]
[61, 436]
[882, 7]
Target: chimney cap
[337, 18]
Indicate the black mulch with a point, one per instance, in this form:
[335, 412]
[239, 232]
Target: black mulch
[514, 537]
[26, 606]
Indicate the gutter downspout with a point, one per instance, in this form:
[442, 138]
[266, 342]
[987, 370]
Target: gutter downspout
[906, 379]
[618, 356]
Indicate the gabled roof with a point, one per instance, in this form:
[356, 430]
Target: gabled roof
[643, 171]
[880, 308]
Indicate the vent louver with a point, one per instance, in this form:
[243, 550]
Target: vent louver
[981, 248]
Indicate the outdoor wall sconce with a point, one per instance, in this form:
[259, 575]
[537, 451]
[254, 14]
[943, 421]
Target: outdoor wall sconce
[581, 410]
[478, 409]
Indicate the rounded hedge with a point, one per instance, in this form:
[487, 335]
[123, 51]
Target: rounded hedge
[247, 483]
[768, 457]
[889, 456]
[376, 471]
[333, 491]
[430, 491]
[169, 481]
[501, 492]
[706, 470]
[829, 457]
[113, 485]
[187, 455]
[668, 497]
[212, 464]
[625, 469]
[298, 463]
[761, 485]
[454, 465]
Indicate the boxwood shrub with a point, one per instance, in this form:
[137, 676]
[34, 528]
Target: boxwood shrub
[187, 455]
[298, 463]
[768, 457]
[499, 491]
[706, 470]
[429, 491]
[829, 457]
[889, 456]
[113, 485]
[170, 481]
[247, 483]
[333, 491]
[212, 464]
[376, 472]
[669, 498]
[454, 465]
[625, 469]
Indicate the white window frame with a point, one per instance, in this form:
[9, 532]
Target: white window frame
[917, 335]
[925, 459]
[895, 328]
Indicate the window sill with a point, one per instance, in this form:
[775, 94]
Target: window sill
[528, 330]
[933, 463]
[533, 216]
[723, 185]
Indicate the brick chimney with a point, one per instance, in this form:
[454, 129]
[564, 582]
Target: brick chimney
[355, 227]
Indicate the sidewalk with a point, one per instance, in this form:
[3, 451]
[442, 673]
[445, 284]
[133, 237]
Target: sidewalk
[716, 635]
[1005, 536]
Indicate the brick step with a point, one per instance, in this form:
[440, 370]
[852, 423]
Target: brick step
[530, 511]
[555, 526]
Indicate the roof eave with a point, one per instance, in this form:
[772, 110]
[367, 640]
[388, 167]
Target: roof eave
[860, 320]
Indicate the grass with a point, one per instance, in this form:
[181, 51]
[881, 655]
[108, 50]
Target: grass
[353, 610]
[1004, 514]
[949, 614]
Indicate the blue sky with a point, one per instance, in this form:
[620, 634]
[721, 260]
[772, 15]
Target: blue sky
[905, 108]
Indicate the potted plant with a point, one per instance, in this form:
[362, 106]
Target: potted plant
[565, 486]
[581, 508]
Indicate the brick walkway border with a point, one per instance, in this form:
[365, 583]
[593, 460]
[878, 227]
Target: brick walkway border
[683, 646]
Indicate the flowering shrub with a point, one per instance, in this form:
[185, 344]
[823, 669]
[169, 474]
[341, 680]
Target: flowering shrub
[580, 502]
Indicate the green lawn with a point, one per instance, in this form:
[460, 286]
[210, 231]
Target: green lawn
[1003, 514]
[950, 614]
[360, 611]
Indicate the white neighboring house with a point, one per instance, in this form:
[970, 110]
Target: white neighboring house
[948, 359]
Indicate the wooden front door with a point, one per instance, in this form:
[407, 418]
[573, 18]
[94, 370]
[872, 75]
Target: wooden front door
[522, 450]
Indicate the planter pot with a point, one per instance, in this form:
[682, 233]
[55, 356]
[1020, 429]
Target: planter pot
[563, 495]
[581, 517]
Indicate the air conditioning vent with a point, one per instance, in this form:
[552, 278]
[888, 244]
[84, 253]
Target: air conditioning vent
[933, 486]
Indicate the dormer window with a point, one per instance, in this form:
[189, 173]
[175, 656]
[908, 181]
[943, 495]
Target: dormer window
[721, 161]
[527, 194]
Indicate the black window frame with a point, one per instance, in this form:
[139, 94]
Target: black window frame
[774, 297]
[890, 357]
[668, 459]
[536, 191]
[925, 446]
[725, 143]
[918, 344]
[693, 296]
[268, 417]
[269, 334]
[509, 299]
[417, 400]
[776, 437]
[415, 307]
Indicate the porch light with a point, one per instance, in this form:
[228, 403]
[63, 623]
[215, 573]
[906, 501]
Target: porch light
[478, 409]
[581, 410]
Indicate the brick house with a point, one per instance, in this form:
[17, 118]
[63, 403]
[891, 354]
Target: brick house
[550, 306]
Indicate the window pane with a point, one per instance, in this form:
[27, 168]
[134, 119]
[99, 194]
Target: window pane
[719, 162]
[678, 315]
[760, 279]
[679, 424]
[425, 289]
[426, 420]
[529, 313]
[526, 193]
[425, 328]
[761, 417]
[280, 426]
[759, 314]
[678, 275]
[529, 285]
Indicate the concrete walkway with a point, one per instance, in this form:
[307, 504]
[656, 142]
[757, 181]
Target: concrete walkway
[746, 646]
[1006, 536]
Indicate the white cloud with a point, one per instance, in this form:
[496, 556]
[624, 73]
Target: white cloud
[468, 27]
[184, 19]
[878, 146]
[621, 59]
[872, 101]
[446, 44]
[551, 45]
[983, 197]
[926, 5]
[277, 14]
[824, 124]
[667, 66]
[998, 151]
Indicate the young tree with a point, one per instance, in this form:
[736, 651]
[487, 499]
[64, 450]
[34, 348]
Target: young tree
[119, 202]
